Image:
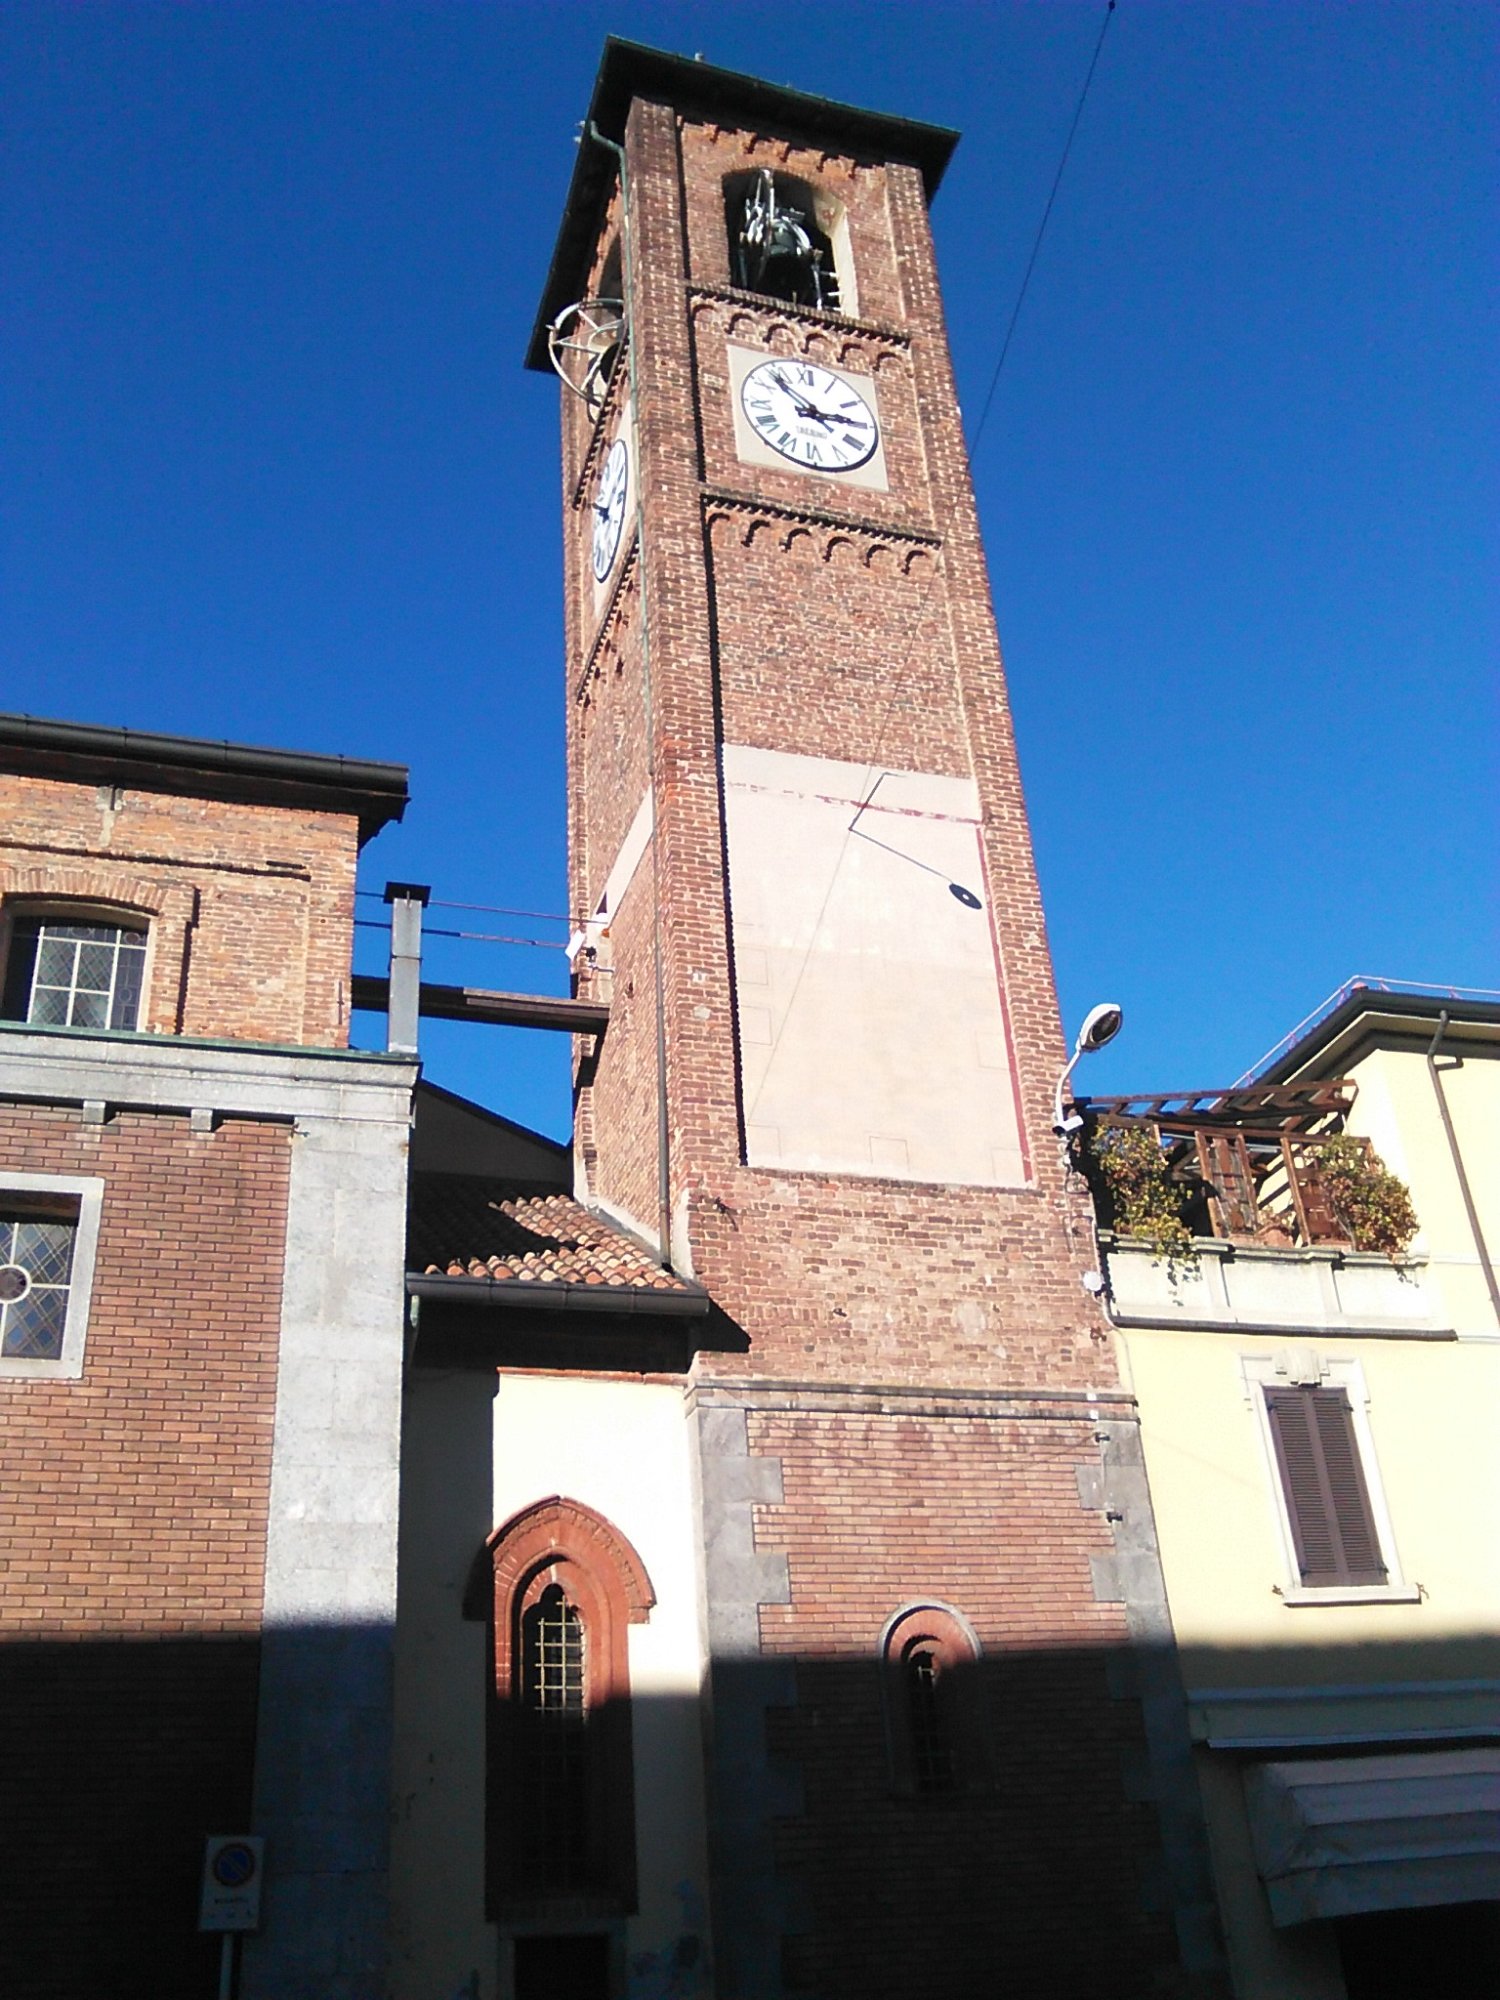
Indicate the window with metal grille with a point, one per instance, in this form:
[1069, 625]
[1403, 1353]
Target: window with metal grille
[73, 974]
[37, 1238]
[931, 1745]
[1323, 1483]
[934, 1711]
[561, 1587]
[555, 1764]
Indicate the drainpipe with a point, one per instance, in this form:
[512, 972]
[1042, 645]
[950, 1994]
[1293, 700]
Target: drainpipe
[663, 1130]
[1458, 1165]
[407, 901]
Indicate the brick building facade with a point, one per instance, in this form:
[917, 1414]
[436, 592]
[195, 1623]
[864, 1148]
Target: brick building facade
[200, 1193]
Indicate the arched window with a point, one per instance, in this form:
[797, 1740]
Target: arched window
[923, 1671]
[933, 1715]
[560, 1587]
[785, 239]
[74, 968]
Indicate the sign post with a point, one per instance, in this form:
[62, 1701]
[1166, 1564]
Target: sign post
[230, 1900]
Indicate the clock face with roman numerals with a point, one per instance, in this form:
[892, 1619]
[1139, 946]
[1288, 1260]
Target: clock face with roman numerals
[809, 415]
[609, 508]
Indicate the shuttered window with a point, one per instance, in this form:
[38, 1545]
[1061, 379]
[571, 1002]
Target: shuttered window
[1327, 1501]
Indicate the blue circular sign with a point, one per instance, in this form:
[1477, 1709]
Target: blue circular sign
[234, 1865]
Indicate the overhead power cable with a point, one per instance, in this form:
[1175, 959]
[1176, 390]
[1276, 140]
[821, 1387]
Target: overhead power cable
[469, 937]
[487, 909]
[1041, 229]
[917, 616]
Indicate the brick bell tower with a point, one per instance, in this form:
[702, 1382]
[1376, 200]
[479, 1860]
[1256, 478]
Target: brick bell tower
[799, 846]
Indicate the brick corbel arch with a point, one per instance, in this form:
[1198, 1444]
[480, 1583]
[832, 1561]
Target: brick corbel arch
[564, 1543]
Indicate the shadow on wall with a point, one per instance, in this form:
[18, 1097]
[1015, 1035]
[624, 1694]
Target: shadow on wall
[1040, 1828]
[1011, 1832]
[118, 1758]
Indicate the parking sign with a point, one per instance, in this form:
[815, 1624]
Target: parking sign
[232, 1865]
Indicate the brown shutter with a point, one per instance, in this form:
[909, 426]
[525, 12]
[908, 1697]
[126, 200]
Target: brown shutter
[1326, 1497]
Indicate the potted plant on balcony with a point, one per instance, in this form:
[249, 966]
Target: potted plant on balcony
[1128, 1170]
[1371, 1202]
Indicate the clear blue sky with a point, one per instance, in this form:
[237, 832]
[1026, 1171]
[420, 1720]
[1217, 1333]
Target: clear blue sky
[273, 470]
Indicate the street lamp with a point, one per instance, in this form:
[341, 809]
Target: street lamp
[1100, 1025]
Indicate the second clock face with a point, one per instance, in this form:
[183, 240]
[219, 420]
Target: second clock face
[809, 415]
[609, 508]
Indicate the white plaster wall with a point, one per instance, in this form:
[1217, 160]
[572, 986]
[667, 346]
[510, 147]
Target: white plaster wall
[441, 1946]
[873, 1038]
[1431, 1408]
[1264, 1963]
[1397, 1109]
[621, 1447]
[477, 1451]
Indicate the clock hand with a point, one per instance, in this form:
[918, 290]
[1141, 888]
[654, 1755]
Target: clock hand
[803, 409]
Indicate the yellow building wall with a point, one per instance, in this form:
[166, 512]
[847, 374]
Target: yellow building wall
[1396, 1108]
[1432, 1409]
[1366, 1671]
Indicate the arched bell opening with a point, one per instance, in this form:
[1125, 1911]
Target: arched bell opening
[785, 238]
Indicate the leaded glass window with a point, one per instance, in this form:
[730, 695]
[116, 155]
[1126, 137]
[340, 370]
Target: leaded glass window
[74, 975]
[36, 1275]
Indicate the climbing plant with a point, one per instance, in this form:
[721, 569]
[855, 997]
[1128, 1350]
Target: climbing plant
[1127, 1165]
[1370, 1201]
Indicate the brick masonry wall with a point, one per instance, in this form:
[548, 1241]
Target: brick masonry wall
[133, 1501]
[785, 611]
[611, 745]
[891, 666]
[133, 1524]
[789, 612]
[1030, 1868]
[251, 906]
[623, 1105]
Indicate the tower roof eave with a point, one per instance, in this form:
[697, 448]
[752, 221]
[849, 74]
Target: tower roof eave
[629, 70]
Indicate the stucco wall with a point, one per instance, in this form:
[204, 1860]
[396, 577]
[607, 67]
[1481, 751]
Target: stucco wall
[1430, 1405]
[1396, 1108]
[477, 1451]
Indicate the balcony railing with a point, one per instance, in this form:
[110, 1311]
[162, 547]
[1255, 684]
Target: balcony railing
[1243, 1164]
[1259, 1187]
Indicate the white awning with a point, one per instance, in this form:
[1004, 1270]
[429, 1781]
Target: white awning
[1338, 1835]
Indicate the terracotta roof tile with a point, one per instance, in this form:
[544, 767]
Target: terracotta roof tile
[466, 1226]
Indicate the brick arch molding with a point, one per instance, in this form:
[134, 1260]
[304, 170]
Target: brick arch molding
[557, 1530]
[563, 1542]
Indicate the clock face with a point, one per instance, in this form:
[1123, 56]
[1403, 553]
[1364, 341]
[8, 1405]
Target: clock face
[609, 508]
[810, 415]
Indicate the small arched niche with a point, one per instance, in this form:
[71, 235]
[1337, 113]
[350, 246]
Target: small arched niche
[933, 1710]
[789, 240]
